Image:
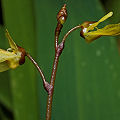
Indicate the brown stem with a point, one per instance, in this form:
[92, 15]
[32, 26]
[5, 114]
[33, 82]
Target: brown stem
[52, 82]
[45, 83]
[58, 51]
[57, 33]
[61, 18]
[50, 95]
[71, 30]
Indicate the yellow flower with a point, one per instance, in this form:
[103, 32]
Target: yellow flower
[90, 32]
[10, 58]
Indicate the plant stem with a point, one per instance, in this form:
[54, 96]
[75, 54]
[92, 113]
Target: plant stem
[50, 95]
[71, 30]
[58, 51]
[57, 33]
[52, 82]
[61, 18]
[45, 84]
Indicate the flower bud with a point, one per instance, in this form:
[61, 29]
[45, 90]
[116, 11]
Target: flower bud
[62, 15]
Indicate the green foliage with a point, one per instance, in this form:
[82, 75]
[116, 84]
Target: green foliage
[87, 82]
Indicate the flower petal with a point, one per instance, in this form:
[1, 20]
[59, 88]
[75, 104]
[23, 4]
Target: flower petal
[11, 42]
[10, 58]
[90, 38]
[4, 66]
[5, 55]
[92, 26]
[112, 30]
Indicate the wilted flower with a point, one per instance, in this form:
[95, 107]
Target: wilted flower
[12, 57]
[90, 32]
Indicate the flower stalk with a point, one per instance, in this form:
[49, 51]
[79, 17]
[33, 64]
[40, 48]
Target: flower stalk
[15, 55]
[61, 18]
[45, 83]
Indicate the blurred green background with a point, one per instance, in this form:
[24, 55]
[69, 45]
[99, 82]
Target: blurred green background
[87, 85]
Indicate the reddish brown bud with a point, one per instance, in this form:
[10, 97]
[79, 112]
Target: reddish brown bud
[62, 15]
[84, 27]
[23, 54]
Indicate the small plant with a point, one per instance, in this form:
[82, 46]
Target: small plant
[15, 55]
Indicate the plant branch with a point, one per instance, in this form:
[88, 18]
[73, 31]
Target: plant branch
[61, 17]
[71, 30]
[45, 83]
[52, 82]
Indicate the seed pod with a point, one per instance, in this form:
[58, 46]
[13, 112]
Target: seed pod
[62, 15]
